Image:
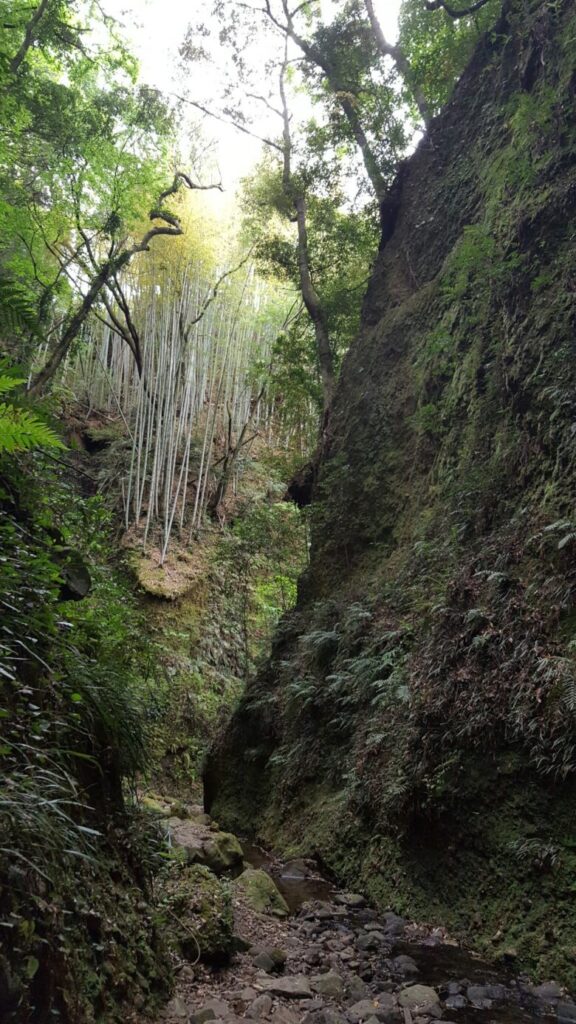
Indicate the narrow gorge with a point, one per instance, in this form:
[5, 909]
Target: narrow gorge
[287, 512]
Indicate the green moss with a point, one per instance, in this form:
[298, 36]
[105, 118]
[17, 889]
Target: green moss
[261, 893]
[196, 914]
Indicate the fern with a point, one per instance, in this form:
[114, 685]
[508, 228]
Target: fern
[17, 313]
[20, 429]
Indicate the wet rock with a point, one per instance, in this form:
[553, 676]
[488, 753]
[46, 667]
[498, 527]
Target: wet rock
[404, 965]
[478, 996]
[456, 1002]
[329, 984]
[261, 1007]
[295, 987]
[296, 869]
[566, 1011]
[454, 988]
[420, 999]
[549, 992]
[353, 900]
[261, 894]
[393, 924]
[497, 992]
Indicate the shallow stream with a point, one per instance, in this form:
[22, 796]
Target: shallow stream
[511, 998]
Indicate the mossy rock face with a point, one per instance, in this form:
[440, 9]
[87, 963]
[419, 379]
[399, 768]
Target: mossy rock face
[197, 914]
[412, 727]
[261, 893]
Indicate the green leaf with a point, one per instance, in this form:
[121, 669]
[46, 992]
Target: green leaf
[32, 965]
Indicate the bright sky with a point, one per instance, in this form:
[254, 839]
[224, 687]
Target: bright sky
[155, 29]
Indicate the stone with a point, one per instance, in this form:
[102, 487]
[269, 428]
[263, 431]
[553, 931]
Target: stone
[420, 999]
[284, 1015]
[296, 870]
[404, 965]
[357, 989]
[222, 852]
[367, 941]
[177, 1008]
[246, 995]
[200, 919]
[264, 963]
[261, 893]
[497, 992]
[379, 1007]
[198, 844]
[548, 992]
[353, 900]
[331, 1016]
[261, 1007]
[268, 959]
[478, 996]
[329, 984]
[211, 1010]
[393, 924]
[296, 986]
[566, 1011]
[456, 1002]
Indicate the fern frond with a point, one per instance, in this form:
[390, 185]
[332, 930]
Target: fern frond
[8, 383]
[21, 430]
[17, 313]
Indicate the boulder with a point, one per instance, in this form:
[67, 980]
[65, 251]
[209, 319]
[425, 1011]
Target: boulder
[199, 919]
[222, 852]
[261, 893]
[420, 999]
[198, 844]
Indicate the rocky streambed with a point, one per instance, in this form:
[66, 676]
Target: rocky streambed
[295, 950]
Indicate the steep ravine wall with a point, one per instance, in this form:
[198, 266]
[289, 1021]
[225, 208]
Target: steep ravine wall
[416, 724]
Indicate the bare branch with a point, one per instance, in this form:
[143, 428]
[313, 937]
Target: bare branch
[229, 120]
[113, 264]
[29, 36]
[437, 5]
